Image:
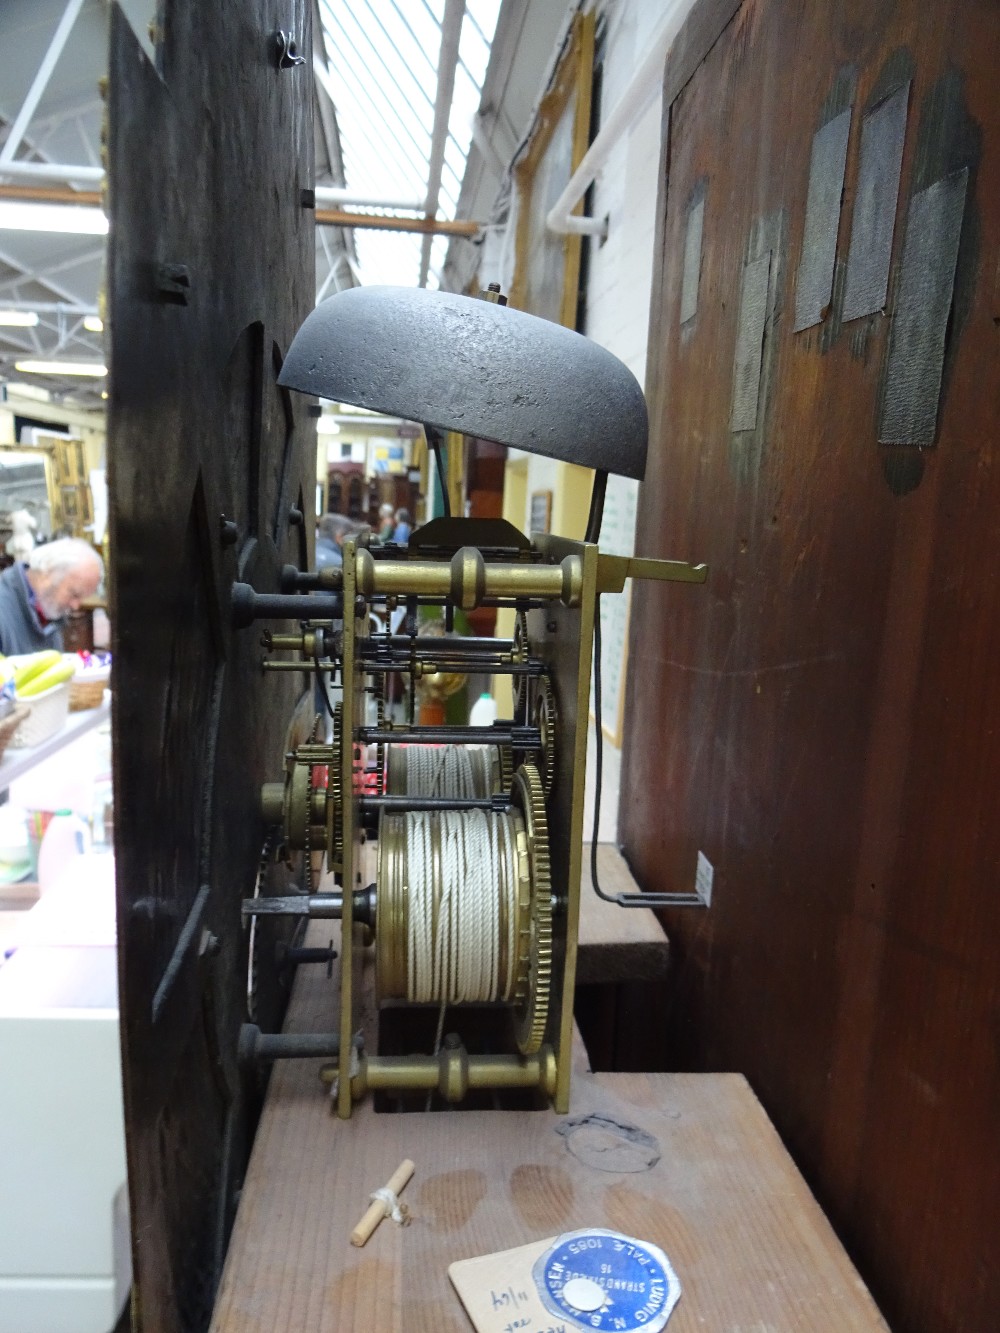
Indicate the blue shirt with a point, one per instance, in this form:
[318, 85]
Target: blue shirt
[21, 629]
[328, 554]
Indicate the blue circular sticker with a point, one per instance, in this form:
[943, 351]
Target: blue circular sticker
[604, 1280]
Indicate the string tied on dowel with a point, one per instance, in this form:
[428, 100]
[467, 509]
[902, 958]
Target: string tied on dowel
[399, 1212]
[384, 1202]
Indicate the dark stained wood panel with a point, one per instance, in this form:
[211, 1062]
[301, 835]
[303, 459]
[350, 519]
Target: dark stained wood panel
[210, 273]
[821, 720]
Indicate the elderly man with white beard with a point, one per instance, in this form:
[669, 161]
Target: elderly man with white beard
[35, 597]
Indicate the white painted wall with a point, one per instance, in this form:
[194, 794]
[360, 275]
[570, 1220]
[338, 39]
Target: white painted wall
[625, 191]
[618, 295]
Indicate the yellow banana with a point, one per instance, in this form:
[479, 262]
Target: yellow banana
[32, 665]
[56, 674]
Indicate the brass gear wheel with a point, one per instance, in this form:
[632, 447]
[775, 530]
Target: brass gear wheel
[519, 654]
[307, 768]
[380, 747]
[531, 1007]
[543, 716]
[305, 808]
[335, 794]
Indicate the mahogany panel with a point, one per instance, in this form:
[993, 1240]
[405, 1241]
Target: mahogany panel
[821, 719]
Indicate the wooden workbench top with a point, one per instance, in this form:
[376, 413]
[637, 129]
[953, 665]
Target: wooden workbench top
[687, 1161]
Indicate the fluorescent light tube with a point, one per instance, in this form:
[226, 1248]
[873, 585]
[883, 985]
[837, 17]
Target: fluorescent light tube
[15, 216]
[91, 368]
[18, 319]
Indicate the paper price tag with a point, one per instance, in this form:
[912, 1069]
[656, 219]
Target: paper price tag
[590, 1279]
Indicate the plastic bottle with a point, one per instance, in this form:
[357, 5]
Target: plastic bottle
[484, 711]
[66, 838]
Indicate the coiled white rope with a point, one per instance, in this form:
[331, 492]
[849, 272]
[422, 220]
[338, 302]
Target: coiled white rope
[461, 906]
[456, 772]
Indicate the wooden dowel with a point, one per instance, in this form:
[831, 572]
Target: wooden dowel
[378, 1208]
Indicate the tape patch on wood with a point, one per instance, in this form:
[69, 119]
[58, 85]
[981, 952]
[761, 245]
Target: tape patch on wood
[915, 357]
[814, 281]
[750, 343]
[691, 272]
[883, 132]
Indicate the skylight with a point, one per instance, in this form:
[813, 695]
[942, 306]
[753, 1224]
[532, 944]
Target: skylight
[383, 77]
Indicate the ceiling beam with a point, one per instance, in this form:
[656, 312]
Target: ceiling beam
[429, 227]
[40, 81]
[451, 31]
[69, 333]
[54, 171]
[40, 278]
[49, 307]
[51, 194]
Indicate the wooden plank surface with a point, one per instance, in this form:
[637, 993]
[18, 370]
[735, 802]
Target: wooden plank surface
[705, 1177]
[616, 943]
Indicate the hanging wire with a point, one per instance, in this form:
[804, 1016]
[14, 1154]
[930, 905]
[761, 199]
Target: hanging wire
[640, 899]
[321, 684]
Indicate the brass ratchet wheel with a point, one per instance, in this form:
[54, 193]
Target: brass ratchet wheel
[531, 1005]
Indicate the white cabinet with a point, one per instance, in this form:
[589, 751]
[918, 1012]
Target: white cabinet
[64, 1255]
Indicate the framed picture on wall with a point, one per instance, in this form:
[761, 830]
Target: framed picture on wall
[547, 264]
[541, 511]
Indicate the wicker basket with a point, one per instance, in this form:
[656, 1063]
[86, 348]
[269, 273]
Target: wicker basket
[10, 724]
[87, 691]
[48, 712]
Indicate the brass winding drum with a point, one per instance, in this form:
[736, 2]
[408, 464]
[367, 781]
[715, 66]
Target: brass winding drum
[520, 898]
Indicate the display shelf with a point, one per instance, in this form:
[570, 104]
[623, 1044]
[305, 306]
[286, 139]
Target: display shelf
[15, 763]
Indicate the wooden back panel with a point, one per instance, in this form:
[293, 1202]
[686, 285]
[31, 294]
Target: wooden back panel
[822, 719]
[210, 273]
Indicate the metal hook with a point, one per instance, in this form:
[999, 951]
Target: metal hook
[288, 56]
